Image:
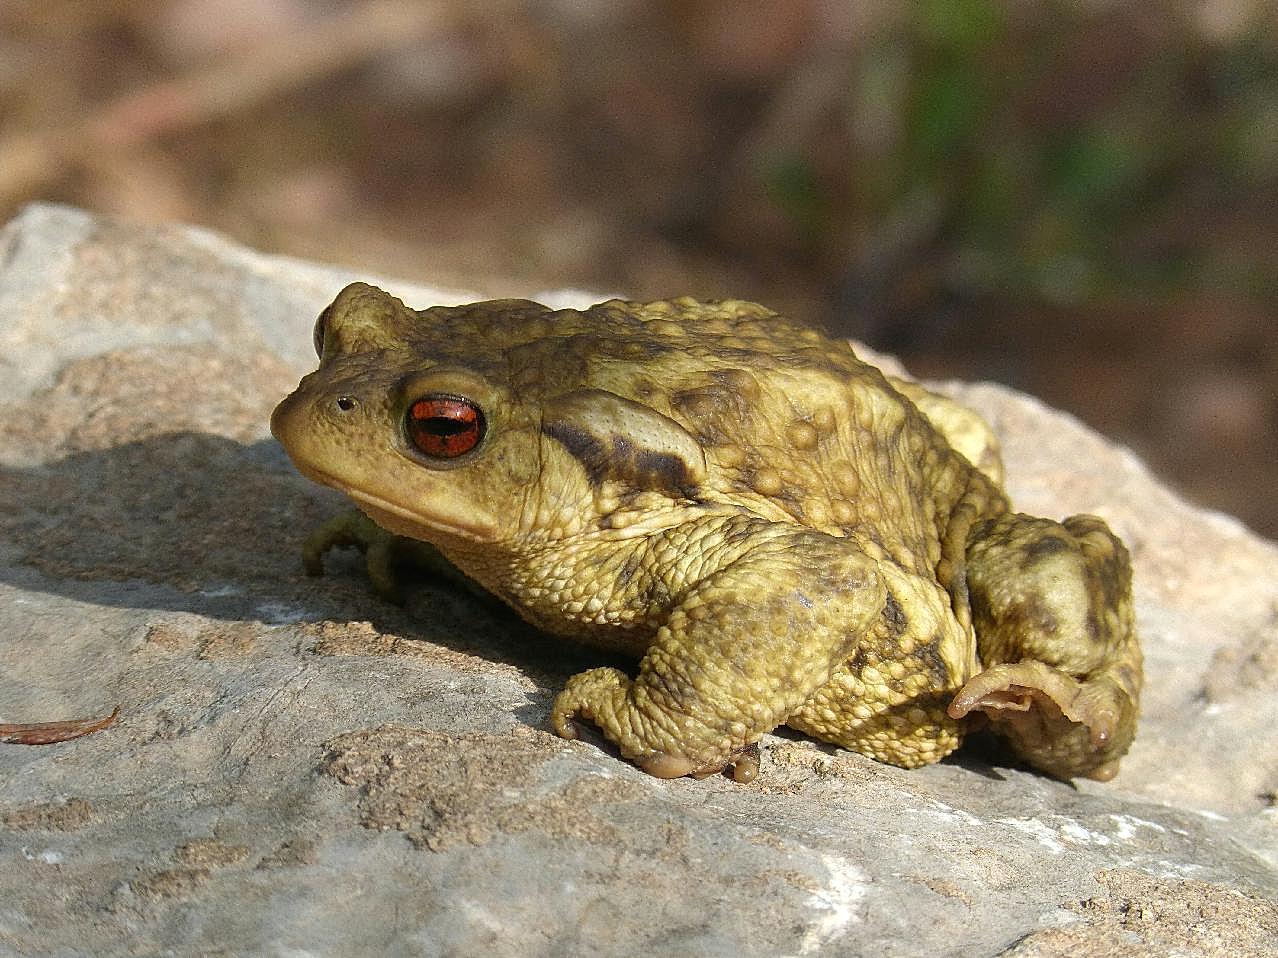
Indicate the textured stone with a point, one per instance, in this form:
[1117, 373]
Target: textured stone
[301, 768]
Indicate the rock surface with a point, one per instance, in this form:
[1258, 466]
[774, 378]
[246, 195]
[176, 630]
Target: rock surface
[299, 768]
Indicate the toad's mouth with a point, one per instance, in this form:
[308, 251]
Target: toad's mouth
[396, 518]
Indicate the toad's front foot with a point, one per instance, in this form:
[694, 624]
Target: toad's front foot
[1060, 725]
[386, 555]
[355, 530]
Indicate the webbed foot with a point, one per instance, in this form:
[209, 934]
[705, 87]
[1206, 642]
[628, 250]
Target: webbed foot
[745, 764]
[1062, 726]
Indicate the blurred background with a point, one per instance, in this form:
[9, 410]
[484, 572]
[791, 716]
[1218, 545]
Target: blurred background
[1079, 199]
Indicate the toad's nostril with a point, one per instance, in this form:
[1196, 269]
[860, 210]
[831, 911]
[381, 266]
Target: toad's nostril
[346, 403]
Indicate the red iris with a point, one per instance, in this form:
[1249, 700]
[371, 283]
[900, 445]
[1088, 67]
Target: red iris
[445, 427]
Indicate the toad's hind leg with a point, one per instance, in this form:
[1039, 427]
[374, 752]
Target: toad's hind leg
[746, 645]
[1052, 608]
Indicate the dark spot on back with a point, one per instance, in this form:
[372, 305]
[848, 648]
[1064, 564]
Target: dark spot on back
[628, 570]
[1045, 546]
[895, 617]
[933, 664]
[1093, 626]
[1033, 613]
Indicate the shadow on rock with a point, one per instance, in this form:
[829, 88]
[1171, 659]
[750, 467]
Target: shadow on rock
[199, 523]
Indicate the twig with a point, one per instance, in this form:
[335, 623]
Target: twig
[50, 733]
[31, 158]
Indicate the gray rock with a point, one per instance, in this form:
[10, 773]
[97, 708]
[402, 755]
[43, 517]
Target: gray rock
[300, 769]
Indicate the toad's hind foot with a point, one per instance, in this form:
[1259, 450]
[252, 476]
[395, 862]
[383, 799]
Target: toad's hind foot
[1052, 609]
[1062, 726]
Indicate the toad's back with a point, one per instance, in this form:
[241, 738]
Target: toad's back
[792, 424]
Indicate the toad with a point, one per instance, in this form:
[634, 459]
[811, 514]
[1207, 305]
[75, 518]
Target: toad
[775, 530]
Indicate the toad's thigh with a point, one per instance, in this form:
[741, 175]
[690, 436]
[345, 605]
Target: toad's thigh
[889, 699]
[901, 722]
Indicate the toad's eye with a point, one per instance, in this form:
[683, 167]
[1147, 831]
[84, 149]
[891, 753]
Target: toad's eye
[317, 336]
[444, 426]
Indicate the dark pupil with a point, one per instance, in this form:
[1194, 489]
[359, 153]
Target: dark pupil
[444, 427]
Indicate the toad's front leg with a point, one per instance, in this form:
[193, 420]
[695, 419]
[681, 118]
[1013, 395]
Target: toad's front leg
[749, 642]
[384, 553]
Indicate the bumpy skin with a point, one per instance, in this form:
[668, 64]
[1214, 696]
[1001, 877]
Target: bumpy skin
[778, 532]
